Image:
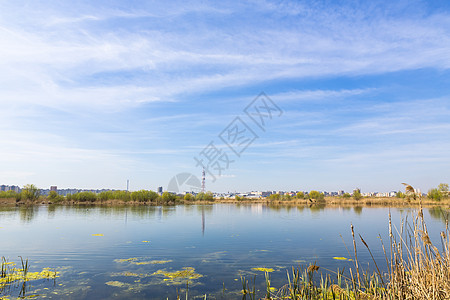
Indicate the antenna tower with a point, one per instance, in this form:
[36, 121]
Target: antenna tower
[203, 180]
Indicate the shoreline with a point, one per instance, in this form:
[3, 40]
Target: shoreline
[327, 202]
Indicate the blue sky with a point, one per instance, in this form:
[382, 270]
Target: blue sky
[95, 93]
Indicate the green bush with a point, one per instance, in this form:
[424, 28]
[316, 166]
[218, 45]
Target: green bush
[439, 193]
[275, 197]
[286, 197]
[9, 194]
[357, 194]
[144, 196]
[189, 197]
[316, 195]
[300, 195]
[121, 195]
[346, 195]
[168, 197]
[30, 192]
[204, 197]
[105, 196]
[400, 194]
[84, 197]
[54, 197]
[435, 194]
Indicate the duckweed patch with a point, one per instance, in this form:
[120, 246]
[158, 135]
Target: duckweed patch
[152, 262]
[98, 234]
[14, 274]
[128, 274]
[122, 260]
[116, 284]
[12, 277]
[177, 277]
[342, 258]
[268, 270]
[139, 261]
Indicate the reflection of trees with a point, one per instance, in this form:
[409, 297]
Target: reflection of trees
[51, 210]
[301, 207]
[439, 213]
[205, 208]
[27, 213]
[7, 208]
[358, 209]
[316, 208]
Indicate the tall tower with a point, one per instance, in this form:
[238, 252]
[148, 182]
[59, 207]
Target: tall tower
[203, 180]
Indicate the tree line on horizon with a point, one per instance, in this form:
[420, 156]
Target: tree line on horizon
[31, 193]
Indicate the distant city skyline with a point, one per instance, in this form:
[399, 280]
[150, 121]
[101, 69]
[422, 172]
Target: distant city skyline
[95, 94]
[72, 190]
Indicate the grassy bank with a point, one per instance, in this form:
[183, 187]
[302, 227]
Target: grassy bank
[327, 201]
[31, 195]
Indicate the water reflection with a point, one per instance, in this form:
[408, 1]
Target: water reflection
[239, 239]
[439, 213]
[27, 213]
[358, 210]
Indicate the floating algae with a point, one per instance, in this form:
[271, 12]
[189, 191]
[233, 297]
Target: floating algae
[263, 269]
[14, 275]
[152, 262]
[122, 260]
[342, 258]
[116, 284]
[139, 261]
[97, 234]
[128, 274]
[177, 277]
[146, 241]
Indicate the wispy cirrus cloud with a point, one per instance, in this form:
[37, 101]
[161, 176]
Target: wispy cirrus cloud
[126, 81]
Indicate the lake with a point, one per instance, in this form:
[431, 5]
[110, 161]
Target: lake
[141, 252]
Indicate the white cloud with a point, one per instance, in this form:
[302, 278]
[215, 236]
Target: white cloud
[108, 57]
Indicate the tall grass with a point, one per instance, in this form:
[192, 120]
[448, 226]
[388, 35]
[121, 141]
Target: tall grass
[416, 269]
[13, 278]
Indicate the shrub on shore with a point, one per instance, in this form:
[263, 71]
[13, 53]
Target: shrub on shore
[9, 194]
[208, 196]
[144, 196]
[315, 195]
[30, 192]
[357, 194]
[439, 193]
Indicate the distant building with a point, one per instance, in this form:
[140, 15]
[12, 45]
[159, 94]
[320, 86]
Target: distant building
[14, 188]
[54, 188]
[160, 190]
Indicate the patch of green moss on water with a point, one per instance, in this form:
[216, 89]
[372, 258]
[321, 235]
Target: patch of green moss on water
[183, 275]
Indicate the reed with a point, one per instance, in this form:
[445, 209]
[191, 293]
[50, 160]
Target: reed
[416, 269]
[12, 278]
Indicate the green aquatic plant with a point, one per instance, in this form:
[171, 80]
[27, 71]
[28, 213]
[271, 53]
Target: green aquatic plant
[151, 262]
[116, 284]
[128, 274]
[11, 276]
[416, 269]
[267, 270]
[122, 260]
[342, 258]
[177, 277]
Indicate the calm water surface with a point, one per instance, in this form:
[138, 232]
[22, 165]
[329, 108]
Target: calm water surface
[220, 242]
